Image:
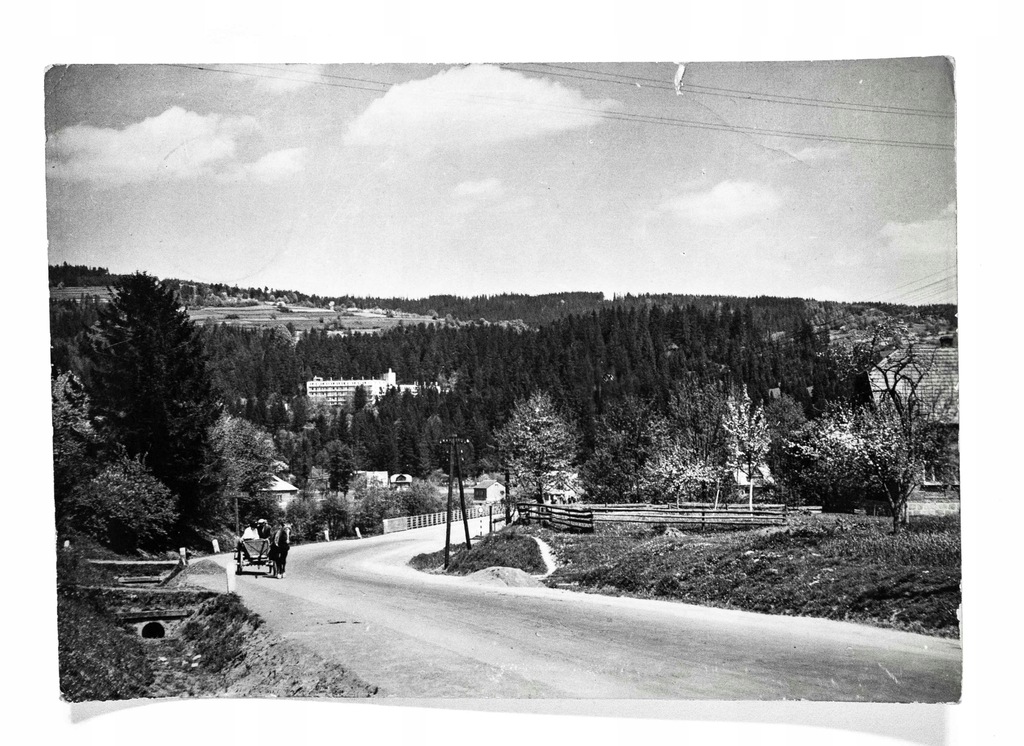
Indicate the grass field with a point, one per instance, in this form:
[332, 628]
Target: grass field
[303, 319]
[267, 315]
[513, 547]
[845, 568]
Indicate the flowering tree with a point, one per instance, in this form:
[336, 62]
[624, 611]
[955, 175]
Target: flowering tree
[677, 473]
[869, 447]
[748, 435]
[538, 446]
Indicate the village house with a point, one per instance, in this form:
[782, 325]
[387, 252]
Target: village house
[281, 490]
[400, 482]
[932, 374]
[488, 491]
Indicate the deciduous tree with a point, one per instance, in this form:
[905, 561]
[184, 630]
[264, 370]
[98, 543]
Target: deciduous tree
[748, 435]
[538, 447]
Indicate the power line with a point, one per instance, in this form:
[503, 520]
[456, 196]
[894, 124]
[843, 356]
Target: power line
[203, 68]
[930, 290]
[895, 290]
[754, 95]
[620, 116]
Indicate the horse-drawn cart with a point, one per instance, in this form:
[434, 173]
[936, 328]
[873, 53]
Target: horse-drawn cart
[252, 553]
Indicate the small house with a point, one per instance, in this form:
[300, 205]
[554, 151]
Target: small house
[283, 491]
[400, 482]
[488, 491]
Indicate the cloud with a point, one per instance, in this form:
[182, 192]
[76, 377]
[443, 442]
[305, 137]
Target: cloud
[486, 188]
[819, 154]
[174, 145]
[934, 236]
[726, 202]
[274, 166]
[287, 78]
[472, 105]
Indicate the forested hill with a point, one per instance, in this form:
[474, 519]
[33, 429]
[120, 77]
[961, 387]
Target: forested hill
[771, 313]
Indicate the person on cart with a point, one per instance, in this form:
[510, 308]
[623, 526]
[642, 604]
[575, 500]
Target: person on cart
[250, 531]
[263, 529]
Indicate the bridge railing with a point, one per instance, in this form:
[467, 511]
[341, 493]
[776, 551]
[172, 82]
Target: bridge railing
[406, 522]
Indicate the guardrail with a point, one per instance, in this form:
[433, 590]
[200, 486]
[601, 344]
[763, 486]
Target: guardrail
[558, 517]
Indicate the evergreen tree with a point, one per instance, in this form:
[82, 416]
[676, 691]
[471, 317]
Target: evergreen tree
[152, 394]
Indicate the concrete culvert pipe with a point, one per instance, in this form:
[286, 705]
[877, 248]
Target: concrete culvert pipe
[153, 630]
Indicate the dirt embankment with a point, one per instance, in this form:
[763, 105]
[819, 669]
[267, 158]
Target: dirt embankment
[221, 649]
[225, 650]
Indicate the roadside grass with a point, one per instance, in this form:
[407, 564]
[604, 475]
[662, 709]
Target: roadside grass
[510, 547]
[845, 568]
[218, 631]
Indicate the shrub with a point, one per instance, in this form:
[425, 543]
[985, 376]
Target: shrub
[124, 507]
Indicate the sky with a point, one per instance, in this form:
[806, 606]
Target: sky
[829, 180]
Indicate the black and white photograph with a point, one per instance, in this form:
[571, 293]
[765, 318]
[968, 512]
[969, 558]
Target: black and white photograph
[512, 385]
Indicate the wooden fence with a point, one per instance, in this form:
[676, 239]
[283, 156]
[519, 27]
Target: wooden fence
[578, 518]
[558, 517]
[691, 515]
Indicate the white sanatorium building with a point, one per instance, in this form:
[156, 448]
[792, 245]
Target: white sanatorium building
[342, 392]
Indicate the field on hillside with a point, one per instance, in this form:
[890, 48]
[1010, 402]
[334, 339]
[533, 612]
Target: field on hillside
[303, 318]
[75, 293]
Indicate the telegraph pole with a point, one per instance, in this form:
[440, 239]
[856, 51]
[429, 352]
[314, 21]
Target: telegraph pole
[454, 463]
[462, 495]
[448, 522]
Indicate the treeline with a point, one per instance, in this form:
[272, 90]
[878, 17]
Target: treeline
[585, 362]
[78, 275]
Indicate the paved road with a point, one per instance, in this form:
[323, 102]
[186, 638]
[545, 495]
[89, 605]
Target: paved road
[420, 635]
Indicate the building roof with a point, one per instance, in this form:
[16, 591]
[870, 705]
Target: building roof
[488, 483]
[279, 485]
[937, 373]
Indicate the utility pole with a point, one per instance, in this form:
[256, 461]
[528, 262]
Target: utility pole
[462, 495]
[454, 463]
[508, 498]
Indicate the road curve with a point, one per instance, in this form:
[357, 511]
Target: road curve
[420, 635]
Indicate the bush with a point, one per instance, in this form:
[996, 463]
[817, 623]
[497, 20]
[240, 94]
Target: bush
[124, 508]
[373, 505]
[303, 514]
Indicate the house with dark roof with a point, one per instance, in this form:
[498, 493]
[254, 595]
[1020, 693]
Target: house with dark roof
[400, 481]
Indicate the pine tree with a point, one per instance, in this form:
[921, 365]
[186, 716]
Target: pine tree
[152, 393]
